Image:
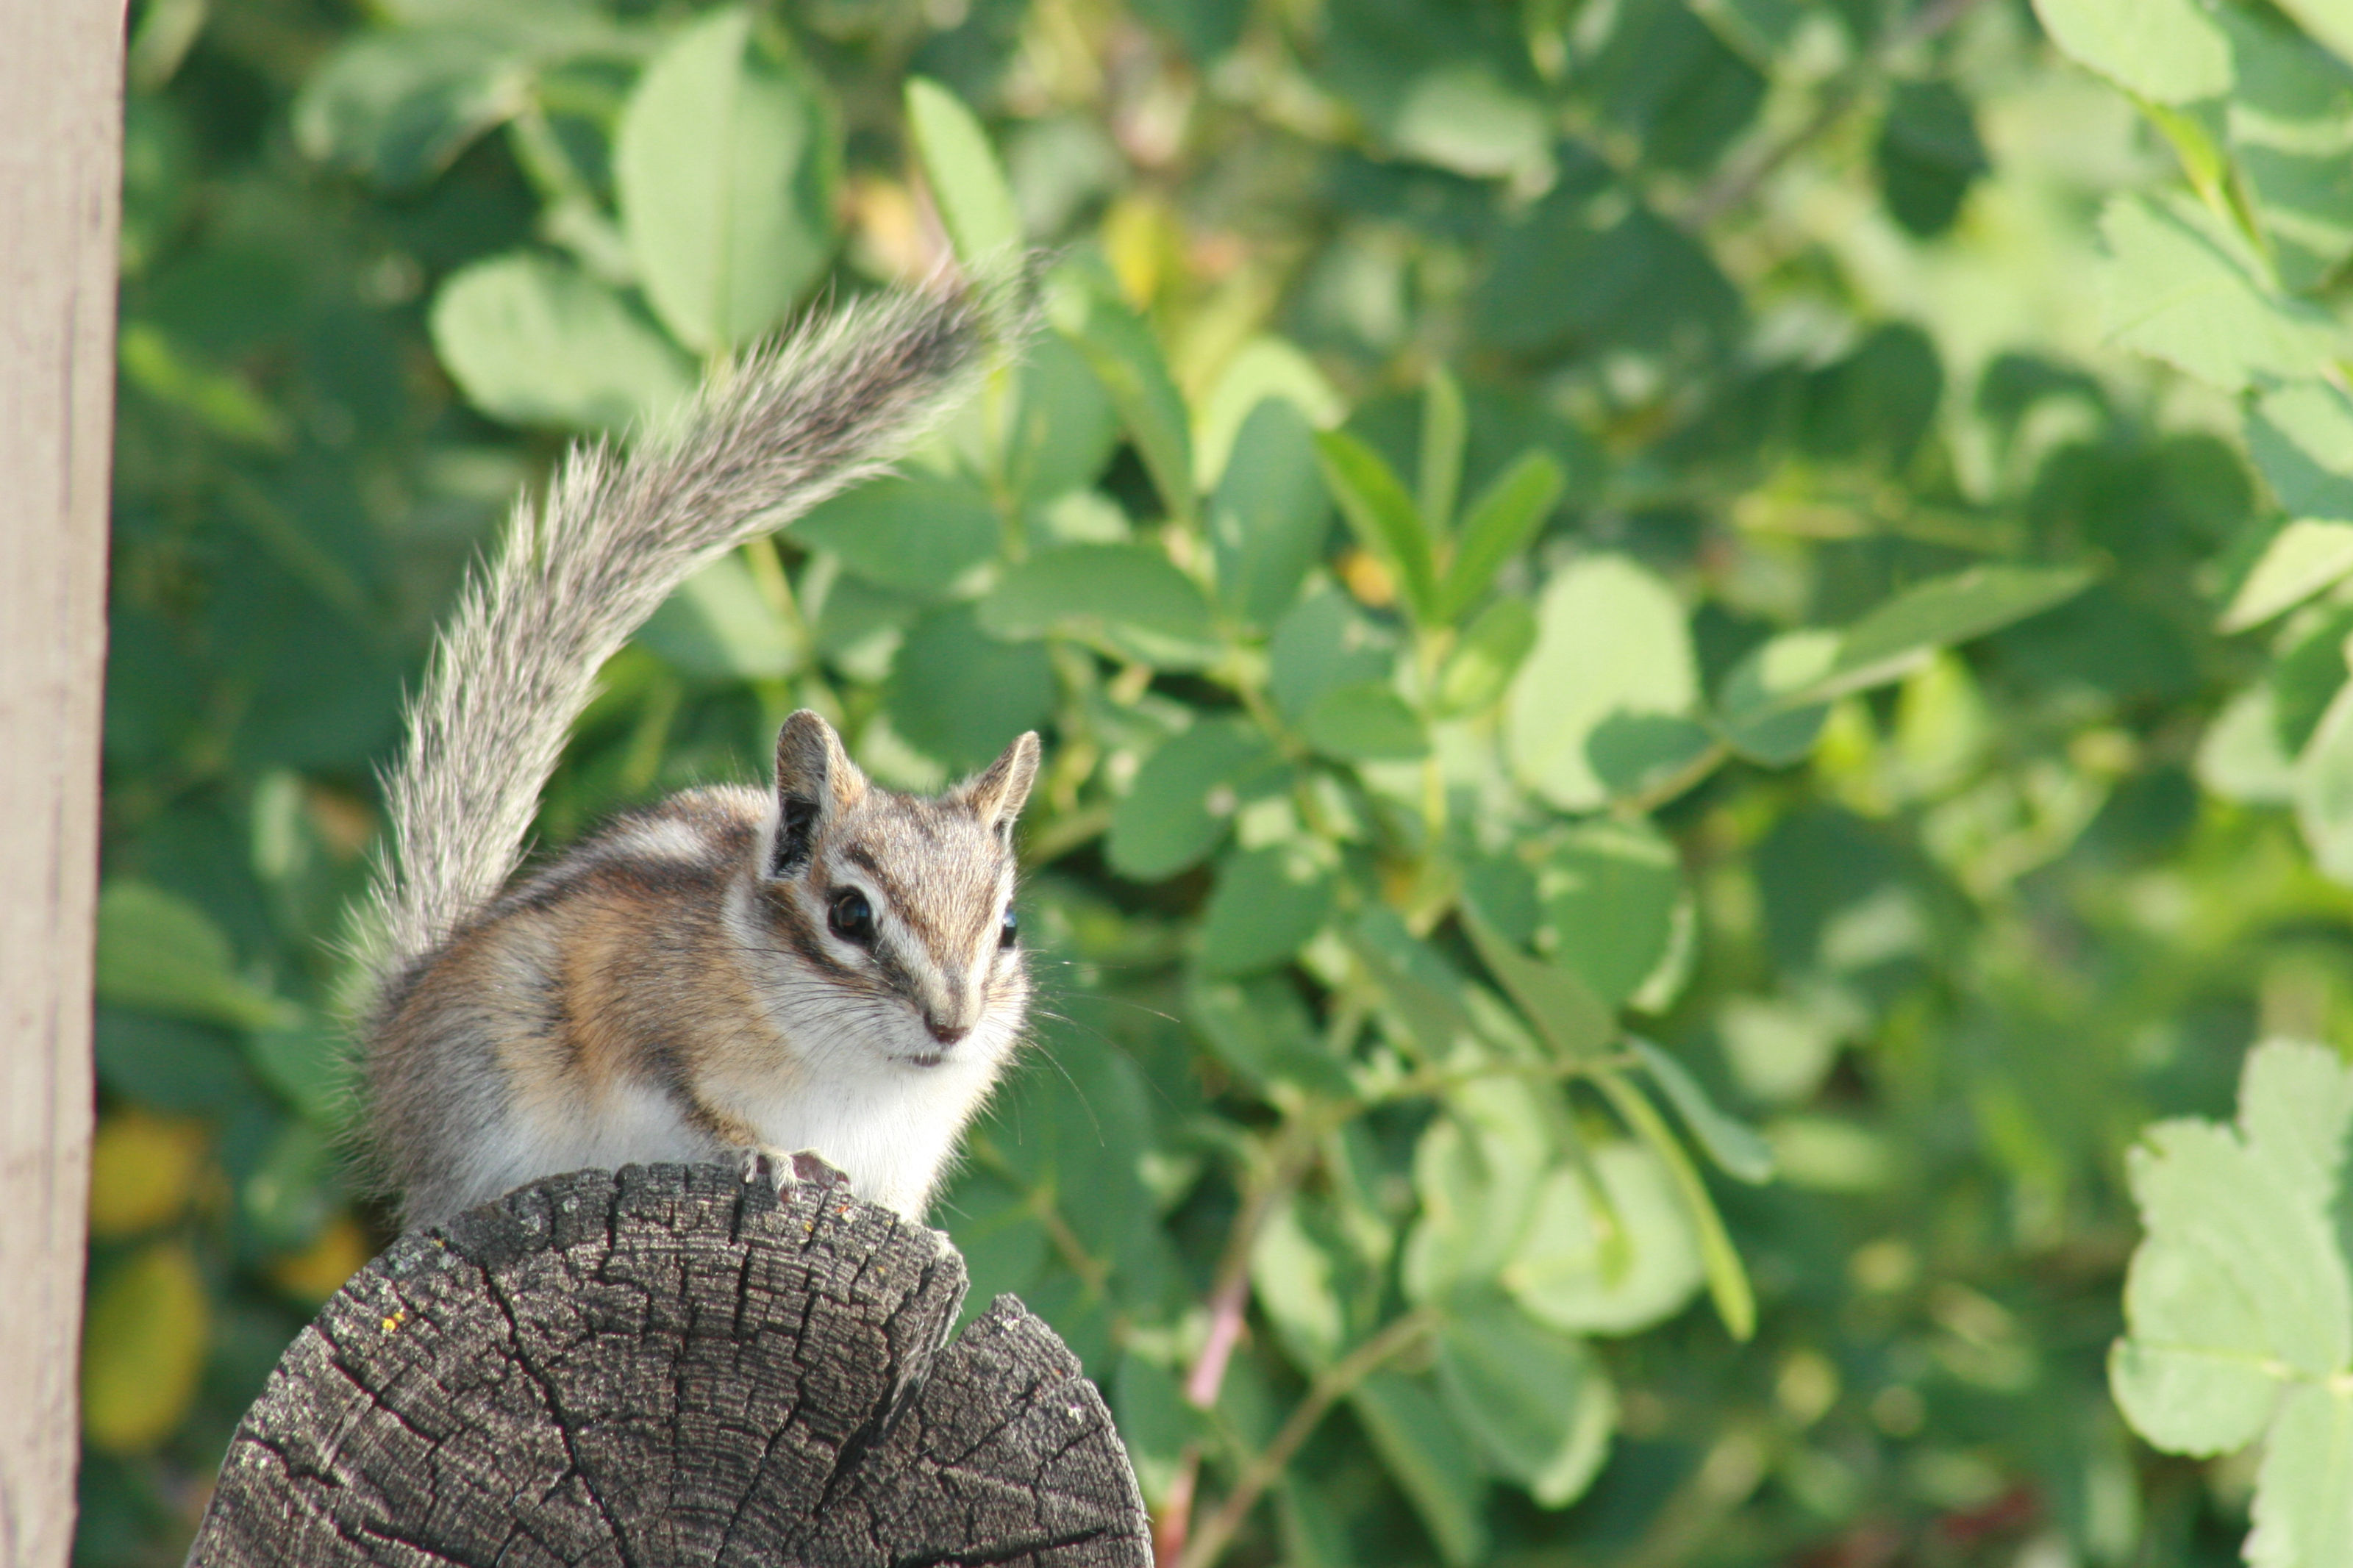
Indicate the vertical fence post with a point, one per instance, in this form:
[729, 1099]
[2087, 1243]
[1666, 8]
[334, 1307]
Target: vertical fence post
[60, 176]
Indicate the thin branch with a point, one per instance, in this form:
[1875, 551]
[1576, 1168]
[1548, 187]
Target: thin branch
[1735, 184]
[1334, 1383]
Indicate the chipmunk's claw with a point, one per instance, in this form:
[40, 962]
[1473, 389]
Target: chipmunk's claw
[773, 1166]
[781, 1170]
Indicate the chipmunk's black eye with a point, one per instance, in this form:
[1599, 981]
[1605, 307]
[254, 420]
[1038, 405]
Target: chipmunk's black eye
[1010, 930]
[851, 917]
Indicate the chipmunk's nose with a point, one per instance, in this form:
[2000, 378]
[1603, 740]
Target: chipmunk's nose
[946, 1034]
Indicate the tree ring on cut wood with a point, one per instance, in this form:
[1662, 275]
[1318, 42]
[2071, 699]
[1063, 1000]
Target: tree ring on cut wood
[668, 1366]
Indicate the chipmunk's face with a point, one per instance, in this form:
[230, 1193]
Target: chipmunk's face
[891, 915]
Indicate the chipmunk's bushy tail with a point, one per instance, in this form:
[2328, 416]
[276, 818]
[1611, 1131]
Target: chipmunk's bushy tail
[580, 570]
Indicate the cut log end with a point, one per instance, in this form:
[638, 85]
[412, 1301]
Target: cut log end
[665, 1366]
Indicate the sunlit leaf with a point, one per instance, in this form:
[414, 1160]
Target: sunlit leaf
[2239, 1302]
[1382, 515]
[1497, 526]
[965, 180]
[1184, 797]
[1266, 904]
[1609, 1263]
[1129, 597]
[2181, 286]
[2167, 50]
[1118, 343]
[1537, 1400]
[1611, 641]
[726, 160]
[1737, 1148]
[533, 341]
[160, 954]
[720, 627]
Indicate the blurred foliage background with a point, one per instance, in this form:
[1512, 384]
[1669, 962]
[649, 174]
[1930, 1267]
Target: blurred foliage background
[1693, 654]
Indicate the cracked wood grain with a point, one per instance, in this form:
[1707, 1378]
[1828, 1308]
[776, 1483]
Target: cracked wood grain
[665, 1366]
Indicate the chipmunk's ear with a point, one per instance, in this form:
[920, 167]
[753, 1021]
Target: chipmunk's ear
[815, 779]
[995, 794]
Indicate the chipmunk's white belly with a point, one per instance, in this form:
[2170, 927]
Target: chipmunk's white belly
[890, 1129]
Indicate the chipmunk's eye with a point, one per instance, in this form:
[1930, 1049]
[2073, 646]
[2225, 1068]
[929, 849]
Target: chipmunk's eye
[851, 917]
[1010, 930]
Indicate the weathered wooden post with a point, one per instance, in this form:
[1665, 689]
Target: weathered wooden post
[60, 176]
[666, 1367]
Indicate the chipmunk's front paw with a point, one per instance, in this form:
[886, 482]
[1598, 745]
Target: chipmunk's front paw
[781, 1170]
[773, 1166]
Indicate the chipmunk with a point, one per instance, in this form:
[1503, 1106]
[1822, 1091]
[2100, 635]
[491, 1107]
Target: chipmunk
[826, 966]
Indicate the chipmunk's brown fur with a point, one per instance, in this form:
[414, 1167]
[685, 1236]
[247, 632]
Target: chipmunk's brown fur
[689, 983]
[682, 987]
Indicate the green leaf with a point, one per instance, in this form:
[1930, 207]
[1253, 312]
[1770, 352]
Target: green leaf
[719, 626]
[2323, 788]
[1443, 428]
[1571, 1019]
[1260, 1027]
[1265, 368]
[1268, 902]
[996, 1228]
[2170, 51]
[1383, 517]
[1761, 719]
[1801, 670]
[2241, 1294]
[534, 341]
[1485, 658]
[920, 533]
[967, 185]
[1118, 343]
[1130, 598]
[310, 1063]
[1608, 891]
[725, 162]
[1727, 1281]
[2181, 287]
[1156, 1425]
[160, 954]
[2241, 757]
[1538, 1401]
[960, 696]
[1941, 613]
[399, 106]
[1611, 641]
[1423, 991]
[1610, 1265]
[1739, 1149]
[1296, 1272]
[2304, 1492]
[2327, 21]
[1477, 1171]
[1431, 1459]
[1364, 721]
[1064, 429]
[1184, 796]
[1270, 515]
[2301, 437]
[2291, 128]
[1499, 525]
[2302, 559]
[1322, 644]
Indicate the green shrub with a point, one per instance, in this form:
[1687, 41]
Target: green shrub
[1654, 765]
